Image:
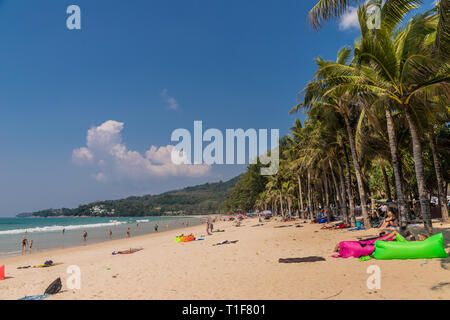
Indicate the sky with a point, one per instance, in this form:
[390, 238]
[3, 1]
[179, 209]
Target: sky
[88, 114]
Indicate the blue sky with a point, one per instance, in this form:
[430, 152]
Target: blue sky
[150, 66]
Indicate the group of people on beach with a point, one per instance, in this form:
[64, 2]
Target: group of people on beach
[389, 222]
[26, 244]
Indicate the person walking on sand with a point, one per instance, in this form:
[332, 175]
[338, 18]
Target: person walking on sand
[110, 233]
[84, 236]
[24, 244]
[207, 228]
[128, 232]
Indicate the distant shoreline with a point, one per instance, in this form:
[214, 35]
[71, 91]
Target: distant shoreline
[115, 217]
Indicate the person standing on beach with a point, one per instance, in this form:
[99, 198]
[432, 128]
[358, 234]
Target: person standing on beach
[128, 232]
[156, 228]
[207, 228]
[24, 244]
[84, 236]
[110, 233]
[31, 245]
[63, 230]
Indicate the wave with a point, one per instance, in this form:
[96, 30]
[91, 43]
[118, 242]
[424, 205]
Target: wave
[59, 228]
[143, 220]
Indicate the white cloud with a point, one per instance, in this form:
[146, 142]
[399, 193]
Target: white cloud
[114, 160]
[82, 155]
[349, 19]
[171, 102]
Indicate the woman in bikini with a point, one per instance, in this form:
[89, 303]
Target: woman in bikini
[390, 221]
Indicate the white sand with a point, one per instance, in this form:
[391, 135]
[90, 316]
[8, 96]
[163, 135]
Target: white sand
[248, 269]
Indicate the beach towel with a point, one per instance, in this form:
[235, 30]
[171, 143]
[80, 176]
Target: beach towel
[355, 229]
[225, 242]
[47, 265]
[126, 251]
[38, 297]
[299, 260]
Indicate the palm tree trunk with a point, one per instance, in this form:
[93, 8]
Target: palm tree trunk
[439, 178]
[289, 203]
[327, 199]
[343, 196]
[310, 208]
[336, 185]
[351, 202]
[420, 175]
[362, 193]
[300, 195]
[281, 204]
[386, 182]
[396, 165]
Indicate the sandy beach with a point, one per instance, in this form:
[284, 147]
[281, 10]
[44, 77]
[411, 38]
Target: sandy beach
[248, 269]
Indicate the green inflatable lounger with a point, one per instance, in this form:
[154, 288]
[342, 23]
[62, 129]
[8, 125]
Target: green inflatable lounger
[432, 247]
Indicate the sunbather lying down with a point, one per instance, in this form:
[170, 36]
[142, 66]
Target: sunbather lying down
[357, 249]
[182, 235]
[336, 226]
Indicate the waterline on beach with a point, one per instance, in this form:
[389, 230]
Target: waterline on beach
[47, 234]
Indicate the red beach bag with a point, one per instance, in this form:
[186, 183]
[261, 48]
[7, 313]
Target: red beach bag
[2, 272]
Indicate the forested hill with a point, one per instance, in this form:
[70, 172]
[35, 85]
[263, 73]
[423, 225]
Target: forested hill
[207, 198]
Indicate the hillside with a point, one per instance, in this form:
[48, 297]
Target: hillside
[202, 199]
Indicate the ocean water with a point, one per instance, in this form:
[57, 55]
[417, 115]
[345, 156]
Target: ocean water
[46, 233]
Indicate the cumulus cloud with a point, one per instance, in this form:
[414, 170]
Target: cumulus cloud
[170, 101]
[82, 155]
[349, 19]
[113, 159]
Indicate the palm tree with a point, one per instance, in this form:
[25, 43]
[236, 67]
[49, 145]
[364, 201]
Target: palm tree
[400, 70]
[339, 101]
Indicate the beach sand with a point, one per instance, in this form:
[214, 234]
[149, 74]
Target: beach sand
[248, 269]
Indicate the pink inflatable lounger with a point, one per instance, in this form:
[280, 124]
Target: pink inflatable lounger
[357, 249]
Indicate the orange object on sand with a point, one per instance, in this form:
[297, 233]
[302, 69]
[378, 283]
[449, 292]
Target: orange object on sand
[2, 272]
[188, 238]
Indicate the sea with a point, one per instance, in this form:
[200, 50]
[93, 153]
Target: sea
[47, 233]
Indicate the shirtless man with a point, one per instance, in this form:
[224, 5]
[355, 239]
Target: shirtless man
[24, 244]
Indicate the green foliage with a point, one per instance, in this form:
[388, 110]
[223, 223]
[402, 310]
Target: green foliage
[203, 199]
[247, 190]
